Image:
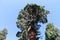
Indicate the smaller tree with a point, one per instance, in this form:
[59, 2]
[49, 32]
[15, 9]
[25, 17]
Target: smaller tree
[51, 33]
[3, 34]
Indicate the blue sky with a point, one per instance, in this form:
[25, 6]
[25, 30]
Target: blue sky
[9, 10]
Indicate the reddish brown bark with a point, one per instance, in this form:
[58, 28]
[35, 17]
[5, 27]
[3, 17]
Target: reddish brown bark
[31, 34]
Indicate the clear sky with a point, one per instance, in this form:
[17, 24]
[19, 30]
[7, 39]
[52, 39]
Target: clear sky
[9, 10]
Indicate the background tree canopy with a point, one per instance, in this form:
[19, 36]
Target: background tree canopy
[52, 33]
[3, 34]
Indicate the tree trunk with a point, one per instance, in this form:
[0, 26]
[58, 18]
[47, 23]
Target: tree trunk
[31, 34]
[31, 31]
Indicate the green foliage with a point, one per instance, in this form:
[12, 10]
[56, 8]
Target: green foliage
[58, 38]
[3, 34]
[51, 32]
[31, 15]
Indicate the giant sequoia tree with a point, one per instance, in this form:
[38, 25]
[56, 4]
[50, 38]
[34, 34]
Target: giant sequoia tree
[3, 34]
[27, 21]
[52, 33]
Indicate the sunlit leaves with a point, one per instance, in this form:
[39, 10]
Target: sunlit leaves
[51, 32]
[58, 38]
[3, 34]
